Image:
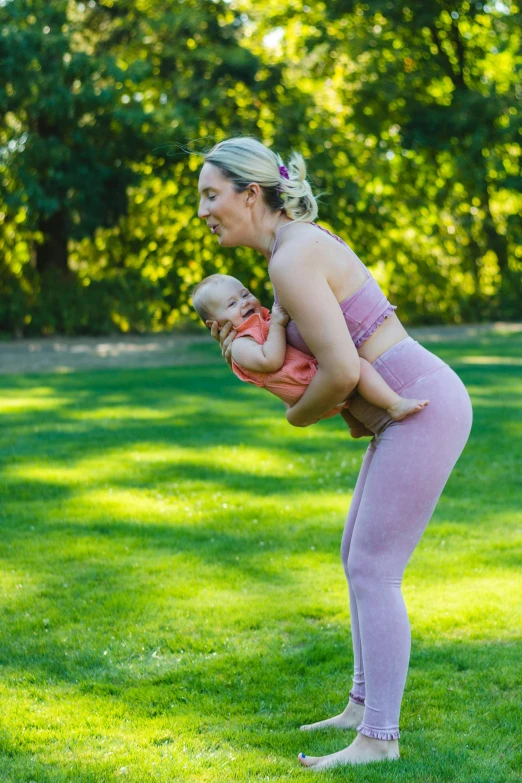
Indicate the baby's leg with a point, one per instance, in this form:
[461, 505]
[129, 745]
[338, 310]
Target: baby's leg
[374, 389]
[357, 429]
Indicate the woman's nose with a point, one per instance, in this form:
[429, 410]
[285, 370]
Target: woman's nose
[202, 211]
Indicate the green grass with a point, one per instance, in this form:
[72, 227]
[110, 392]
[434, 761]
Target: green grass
[173, 603]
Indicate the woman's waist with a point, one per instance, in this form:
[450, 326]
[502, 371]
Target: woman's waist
[387, 334]
[406, 362]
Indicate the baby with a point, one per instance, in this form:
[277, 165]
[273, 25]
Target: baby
[263, 358]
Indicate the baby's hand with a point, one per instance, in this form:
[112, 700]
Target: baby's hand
[279, 315]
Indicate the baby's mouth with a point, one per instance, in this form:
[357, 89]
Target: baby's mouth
[249, 313]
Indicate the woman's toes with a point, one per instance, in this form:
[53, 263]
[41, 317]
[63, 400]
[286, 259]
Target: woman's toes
[307, 761]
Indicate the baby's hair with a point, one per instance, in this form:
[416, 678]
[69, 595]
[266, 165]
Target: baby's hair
[199, 298]
[243, 160]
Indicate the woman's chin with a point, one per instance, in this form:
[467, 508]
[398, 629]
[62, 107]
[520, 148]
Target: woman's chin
[226, 242]
[223, 242]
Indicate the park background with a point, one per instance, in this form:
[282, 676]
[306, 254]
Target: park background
[172, 603]
[408, 115]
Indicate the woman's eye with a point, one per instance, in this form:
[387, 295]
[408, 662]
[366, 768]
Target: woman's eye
[211, 198]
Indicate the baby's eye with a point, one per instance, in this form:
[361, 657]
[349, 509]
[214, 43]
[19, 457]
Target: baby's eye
[231, 304]
[246, 295]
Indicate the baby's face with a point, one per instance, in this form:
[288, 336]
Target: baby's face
[229, 300]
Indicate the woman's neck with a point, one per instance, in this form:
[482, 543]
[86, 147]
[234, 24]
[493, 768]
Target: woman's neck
[268, 236]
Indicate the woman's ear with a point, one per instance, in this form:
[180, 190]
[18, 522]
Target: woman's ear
[252, 192]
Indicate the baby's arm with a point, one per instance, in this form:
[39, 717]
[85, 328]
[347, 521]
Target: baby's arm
[373, 388]
[270, 355]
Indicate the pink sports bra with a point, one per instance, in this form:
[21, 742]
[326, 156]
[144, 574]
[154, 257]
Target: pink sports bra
[363, 311]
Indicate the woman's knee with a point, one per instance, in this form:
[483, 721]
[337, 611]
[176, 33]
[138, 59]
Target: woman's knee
[355, 572]
[368, 573]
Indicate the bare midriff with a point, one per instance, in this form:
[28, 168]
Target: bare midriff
[388, 334]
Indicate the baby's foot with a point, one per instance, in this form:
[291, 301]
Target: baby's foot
[404, 407]
[358, 432]
[350, 718]
[363, 750]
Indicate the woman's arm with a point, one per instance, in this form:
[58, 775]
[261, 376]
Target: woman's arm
[304, 292]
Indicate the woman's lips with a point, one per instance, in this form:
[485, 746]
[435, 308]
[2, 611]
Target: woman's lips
[215, 228]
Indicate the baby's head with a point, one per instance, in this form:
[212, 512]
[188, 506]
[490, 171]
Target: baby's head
[223, 298]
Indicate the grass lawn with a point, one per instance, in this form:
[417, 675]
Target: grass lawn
[172, 600]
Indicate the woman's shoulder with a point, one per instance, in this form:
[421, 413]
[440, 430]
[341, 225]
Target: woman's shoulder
[303, 245]
[300, 231]
[311, 237]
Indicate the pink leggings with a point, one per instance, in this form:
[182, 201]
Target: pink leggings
[403, 474]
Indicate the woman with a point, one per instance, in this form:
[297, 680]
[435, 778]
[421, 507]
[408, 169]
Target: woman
[247, 197]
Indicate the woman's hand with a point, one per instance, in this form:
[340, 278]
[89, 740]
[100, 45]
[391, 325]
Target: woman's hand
[225, 337]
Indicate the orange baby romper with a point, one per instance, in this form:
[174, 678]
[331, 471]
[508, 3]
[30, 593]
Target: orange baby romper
[290, 382]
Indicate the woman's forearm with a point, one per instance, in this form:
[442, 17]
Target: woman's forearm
[324, 392]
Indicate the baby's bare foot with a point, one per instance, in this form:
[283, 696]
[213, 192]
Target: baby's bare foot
[363, 750]
[350, 718]
[404, 407]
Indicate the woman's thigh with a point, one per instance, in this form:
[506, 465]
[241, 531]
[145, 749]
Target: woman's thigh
[356, 502]
[410, 465]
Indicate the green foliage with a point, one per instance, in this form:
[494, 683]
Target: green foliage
[173, 603]
[420, 109]
[410, 119]
[90, 91]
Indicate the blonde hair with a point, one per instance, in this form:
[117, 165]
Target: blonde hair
[243, 160]
[200, 296]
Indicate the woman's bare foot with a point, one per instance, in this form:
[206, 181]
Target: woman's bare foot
[350, 718]
[404, 407]
[363, 750]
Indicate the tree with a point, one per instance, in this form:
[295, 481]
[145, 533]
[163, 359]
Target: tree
[414, 135]
[89, 91]
[438, 84]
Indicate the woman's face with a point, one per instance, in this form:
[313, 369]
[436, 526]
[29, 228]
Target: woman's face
[224, 210]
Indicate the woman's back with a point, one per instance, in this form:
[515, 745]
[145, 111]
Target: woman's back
[368, 314]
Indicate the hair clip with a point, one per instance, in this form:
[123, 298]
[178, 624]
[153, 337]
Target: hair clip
[284, 172]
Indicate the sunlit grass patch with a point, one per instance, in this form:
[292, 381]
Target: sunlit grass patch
[173, 603]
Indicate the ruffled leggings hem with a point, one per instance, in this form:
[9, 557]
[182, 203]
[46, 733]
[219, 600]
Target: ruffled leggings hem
[356, 699]
[376, 734]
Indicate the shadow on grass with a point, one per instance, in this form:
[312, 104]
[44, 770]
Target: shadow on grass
[100, 413]
[459, 720]
[96, 578]
[84, 588]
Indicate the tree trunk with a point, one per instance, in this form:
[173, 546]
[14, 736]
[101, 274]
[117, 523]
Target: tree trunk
[499, 244]
[53, 252]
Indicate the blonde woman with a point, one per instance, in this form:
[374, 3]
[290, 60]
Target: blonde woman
[338, 314]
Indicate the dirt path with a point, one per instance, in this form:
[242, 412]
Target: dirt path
[64, 354]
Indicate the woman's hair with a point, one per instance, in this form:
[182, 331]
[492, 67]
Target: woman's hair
[243, 160]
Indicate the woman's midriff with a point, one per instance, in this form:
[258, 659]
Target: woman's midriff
[388, 334]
